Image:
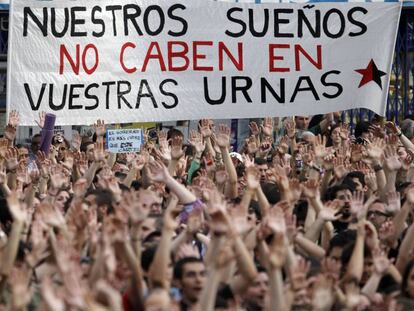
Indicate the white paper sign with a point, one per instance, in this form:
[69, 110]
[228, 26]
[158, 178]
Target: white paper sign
[143, 61]
[124, 140]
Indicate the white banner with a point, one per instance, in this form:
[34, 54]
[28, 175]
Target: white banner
[141, 61]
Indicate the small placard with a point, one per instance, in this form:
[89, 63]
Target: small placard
[124, 140]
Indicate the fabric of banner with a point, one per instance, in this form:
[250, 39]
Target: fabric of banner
[141, 61]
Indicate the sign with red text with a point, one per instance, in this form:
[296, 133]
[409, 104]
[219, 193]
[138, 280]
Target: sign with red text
[142, 61]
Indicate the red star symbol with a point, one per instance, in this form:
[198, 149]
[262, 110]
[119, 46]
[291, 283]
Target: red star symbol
[371, 73]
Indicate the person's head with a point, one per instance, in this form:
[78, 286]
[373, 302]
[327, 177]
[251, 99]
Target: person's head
[174, 133]
[377, 213]
[35, 144]
[150, 224]
[103, 199]
[342, 193]
[302, 122]
[23, 155]
[407, 128]
[358, 180]
[225, 300]
[262, 166]
[407, 285]
[338, 242]
[335, 135]
[256, 293]
[61, 145]
[88, 147]
[61, 198]
[272, 192]
[190, 277]
[362, 130]
[253, 213]
[151, 200]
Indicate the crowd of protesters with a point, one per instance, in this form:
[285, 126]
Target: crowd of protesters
[317, 216]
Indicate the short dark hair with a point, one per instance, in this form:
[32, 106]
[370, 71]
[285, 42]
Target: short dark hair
[361, 127]
[85, 144]
[332, 191]
[179, 266]
[356, 174]
[272, 192]
[341, 239]
[103, 197]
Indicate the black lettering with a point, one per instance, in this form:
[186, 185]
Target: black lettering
[42, 25]
[341, 24]
[62, 104]
[92, 96]
[240, 88]
[356, 22]
[147, 20]
[34, 106]
[314, 30]
[237, 21]
[171, 15]
[148, 94]
[279, 21]
[132, 17]
[339, 88]
[252, 22]
[113, 8]
[310, 87]
[265, 85]
[53, 27]
[121, 94]
[164, 92]
[77, 21]
[98, 21]
[72, 95]
[223, 92]
[108, 91]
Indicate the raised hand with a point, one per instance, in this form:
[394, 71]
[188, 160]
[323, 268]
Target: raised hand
[177, 150]
[41, 121]
[158, 172]
[221, 176]
[99, 152]
[14, 118]
[253, 178]
[331, 211]
[394, 202]
[340, 167]
[205, 128]
[319, 148]
[311, 189]
[375, 149]
[196, 140]
[290, 128]
[100, 128]
[216, 208]
[16, 208]
[381, 262]
[254, 129]
[357, 205]
[76, 141]
[223, 136]
[391, 162]
[11, 158]
[267, 126]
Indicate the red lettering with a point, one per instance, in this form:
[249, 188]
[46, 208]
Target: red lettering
[90, 70]
[157, 56]
[177, 54]
[299, 50]
[197, 56]
[121, 57]
[223, 49]
[64, 53]
[273, 57]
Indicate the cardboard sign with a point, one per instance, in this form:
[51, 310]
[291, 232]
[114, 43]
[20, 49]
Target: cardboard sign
[124, 140]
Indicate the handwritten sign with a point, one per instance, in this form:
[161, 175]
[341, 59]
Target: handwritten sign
[124, 140]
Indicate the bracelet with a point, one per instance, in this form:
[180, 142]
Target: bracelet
[377, 168]
[399, 134]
